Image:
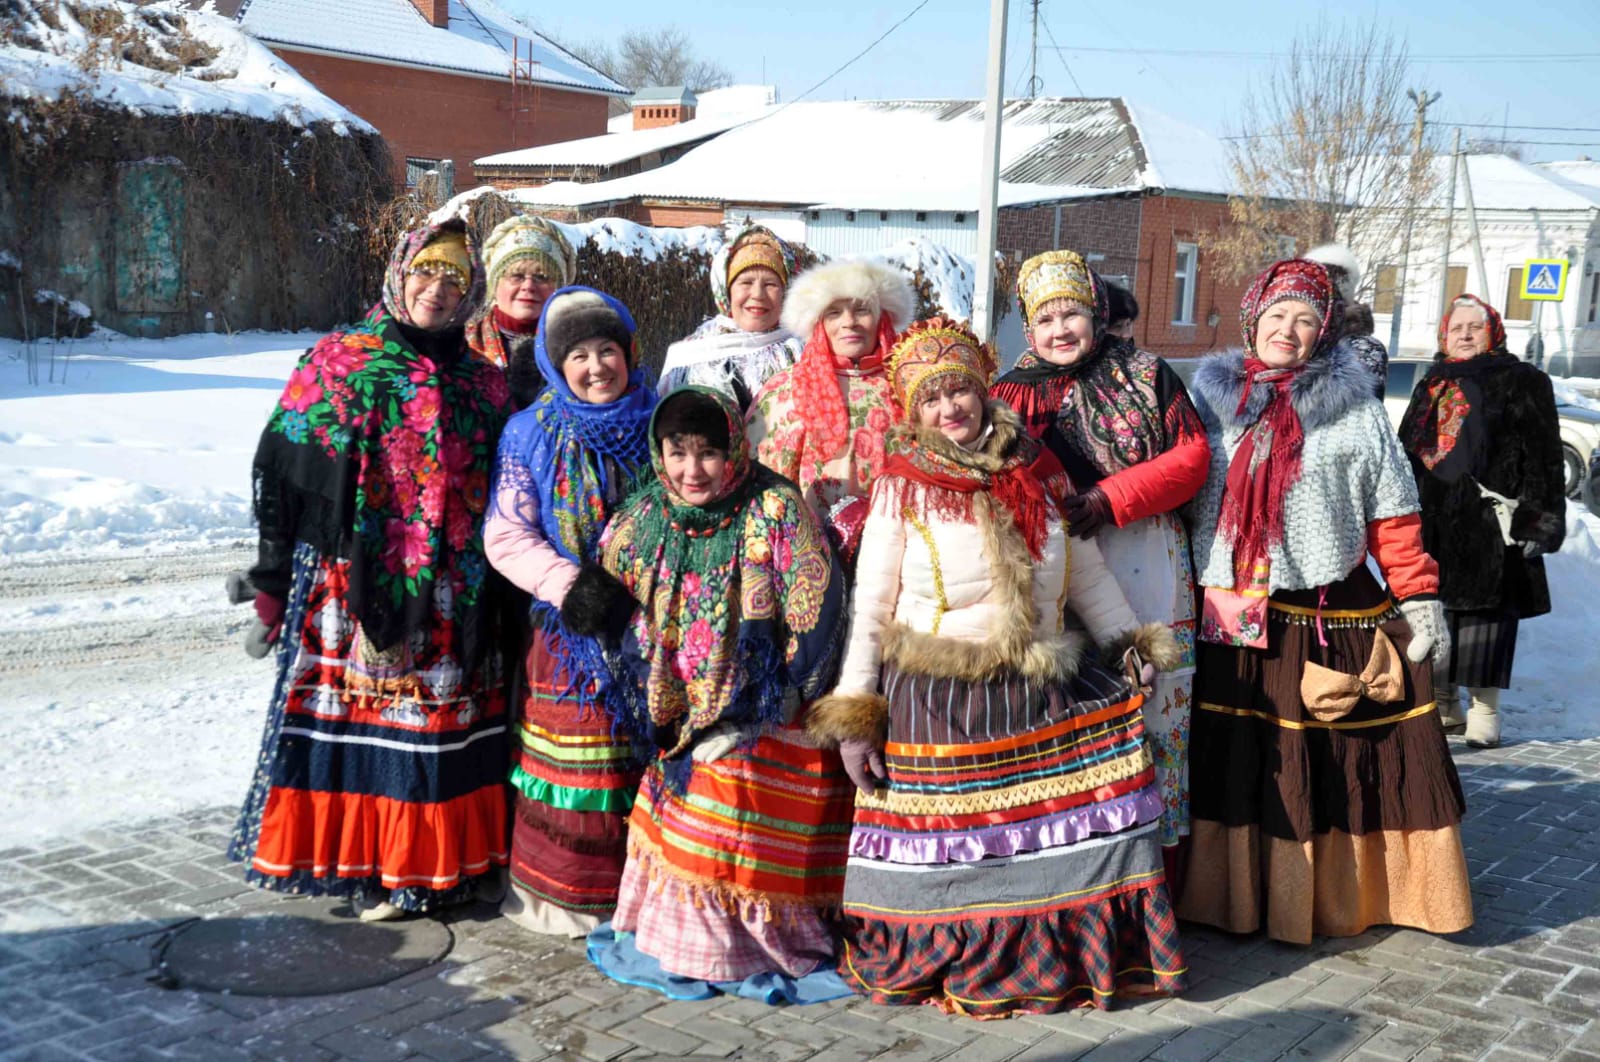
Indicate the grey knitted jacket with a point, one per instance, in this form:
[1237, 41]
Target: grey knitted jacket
[1353, 469]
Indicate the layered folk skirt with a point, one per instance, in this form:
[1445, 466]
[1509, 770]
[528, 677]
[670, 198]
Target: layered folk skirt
[738, 872]
[1307, 826]
[573, 785]
[395, 788]
[1014, 862]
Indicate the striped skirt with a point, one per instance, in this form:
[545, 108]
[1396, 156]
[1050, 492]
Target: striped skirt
[737, 875]
[573, 784]
[1014, 862]
[398, 793]
[1321, 827]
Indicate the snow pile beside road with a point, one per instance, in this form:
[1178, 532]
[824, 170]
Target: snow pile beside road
[139, 443]
[1580, 391]
[1553, 691]
[950, 275]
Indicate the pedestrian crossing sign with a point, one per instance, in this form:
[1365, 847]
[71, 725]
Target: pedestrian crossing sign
[1544, 279]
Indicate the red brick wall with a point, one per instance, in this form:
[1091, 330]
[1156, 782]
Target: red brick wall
[1108, 227]
[677, 217]
[656, 115]
[1167, 221]
[433, 114]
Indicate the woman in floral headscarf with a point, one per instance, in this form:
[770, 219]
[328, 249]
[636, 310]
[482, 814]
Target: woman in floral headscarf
[1121, 423]
[736, 843]
[564, 465]
[1005, 854]
[1324, 799]
[382, 770]
[1485, 444]
[745, 344]
[822, 423]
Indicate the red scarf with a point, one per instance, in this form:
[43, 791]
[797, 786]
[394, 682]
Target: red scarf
[1024, 486]
[511, 326]
[819, 399]
[1263, 469]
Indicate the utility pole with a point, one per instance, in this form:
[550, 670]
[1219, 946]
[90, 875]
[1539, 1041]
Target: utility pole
[1423, 101]
[1033, 55]
[989, 176]
[1449, 223]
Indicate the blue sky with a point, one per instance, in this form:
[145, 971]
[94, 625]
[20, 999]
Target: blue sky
[941, 51]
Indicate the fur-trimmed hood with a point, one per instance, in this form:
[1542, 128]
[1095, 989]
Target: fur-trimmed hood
[1328, 386]
[864, 279]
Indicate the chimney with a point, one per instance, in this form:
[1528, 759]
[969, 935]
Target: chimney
[437, 12]
[657, 107]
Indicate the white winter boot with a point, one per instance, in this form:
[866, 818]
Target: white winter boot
[1483, 718]
[1448, 697]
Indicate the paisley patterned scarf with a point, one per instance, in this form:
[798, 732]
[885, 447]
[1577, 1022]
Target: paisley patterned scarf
[741, 601]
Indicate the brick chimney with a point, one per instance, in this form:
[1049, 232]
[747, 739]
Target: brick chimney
[437, 12]
[657, 107]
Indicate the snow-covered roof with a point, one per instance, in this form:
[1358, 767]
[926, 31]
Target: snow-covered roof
[42, 56]
[1500, 182]
[1585, 172]
[923, 155]
[610, 149]
[664, 94]
[479, 40]
[741, 100]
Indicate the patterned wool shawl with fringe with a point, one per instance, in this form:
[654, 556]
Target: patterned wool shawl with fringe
[741, 600]
[380, 451]
[929, 474]
[567, 462]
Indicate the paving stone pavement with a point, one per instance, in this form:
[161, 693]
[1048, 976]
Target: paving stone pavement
[79, 918]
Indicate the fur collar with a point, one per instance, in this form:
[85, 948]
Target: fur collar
[998, 452]
[1329, 386]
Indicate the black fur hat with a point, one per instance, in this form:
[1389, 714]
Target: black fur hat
[579, 315]
[691, 413]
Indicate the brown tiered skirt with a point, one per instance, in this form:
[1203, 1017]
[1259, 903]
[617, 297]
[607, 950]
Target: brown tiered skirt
[1321, 827]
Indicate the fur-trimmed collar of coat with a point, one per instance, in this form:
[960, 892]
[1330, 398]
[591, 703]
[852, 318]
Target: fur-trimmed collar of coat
[995, 453]
[1322, 392]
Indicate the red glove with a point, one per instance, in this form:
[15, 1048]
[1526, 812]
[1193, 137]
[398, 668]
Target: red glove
[1087, 512]
[269, 610]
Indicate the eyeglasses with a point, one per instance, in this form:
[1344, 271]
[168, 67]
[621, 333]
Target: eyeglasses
[445, 273]
[538, 280]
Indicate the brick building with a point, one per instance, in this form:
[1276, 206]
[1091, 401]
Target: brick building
[440, 79]
[1134, 191]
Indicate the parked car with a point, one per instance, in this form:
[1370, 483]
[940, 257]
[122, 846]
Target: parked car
[1580, 428]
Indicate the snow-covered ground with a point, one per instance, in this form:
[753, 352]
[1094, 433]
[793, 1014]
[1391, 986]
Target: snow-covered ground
[124, 498]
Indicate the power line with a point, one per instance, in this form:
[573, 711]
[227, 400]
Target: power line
[852, 60]
[1064, 66]
[1203, 53]
[1537, 128]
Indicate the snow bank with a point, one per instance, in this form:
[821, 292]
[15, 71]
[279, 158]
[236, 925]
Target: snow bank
[1552, 694]
[1580, 391]
[605, 234]
[48, 53]
[146, 443]
[950, 275]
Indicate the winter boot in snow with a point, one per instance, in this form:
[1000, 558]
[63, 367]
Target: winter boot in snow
[1448, 697]
[1483, 718]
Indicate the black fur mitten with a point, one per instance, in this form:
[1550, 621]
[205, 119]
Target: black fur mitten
[597, 604]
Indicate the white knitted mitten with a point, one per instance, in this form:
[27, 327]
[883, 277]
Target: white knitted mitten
[1430, 634]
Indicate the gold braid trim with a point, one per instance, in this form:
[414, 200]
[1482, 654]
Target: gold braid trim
[898, 803]
[933, 557]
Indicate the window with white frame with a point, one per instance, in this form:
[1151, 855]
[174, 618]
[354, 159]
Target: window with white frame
[1186, 270]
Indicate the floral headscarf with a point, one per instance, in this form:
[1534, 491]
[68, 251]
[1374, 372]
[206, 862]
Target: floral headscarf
[382, 450]
[740, 597]
[1294, 278]
[1438, 429]
[405, 253]
[1491, 320]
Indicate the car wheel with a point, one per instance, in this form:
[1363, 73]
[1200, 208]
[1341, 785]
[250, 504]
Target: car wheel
[1575, 472]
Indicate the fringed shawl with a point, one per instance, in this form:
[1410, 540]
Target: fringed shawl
[741, 600]
[926, 473]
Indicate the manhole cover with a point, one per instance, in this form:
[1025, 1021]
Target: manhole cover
[309, 953]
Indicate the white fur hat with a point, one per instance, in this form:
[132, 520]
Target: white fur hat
[1338, 256]
[867, 280]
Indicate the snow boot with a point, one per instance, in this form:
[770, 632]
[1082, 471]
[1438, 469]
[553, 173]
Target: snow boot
[1483, 718]
[1448, 697]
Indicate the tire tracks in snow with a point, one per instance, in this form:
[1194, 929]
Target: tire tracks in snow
[128, 644]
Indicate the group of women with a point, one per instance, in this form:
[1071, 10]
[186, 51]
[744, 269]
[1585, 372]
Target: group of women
[839, 665]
